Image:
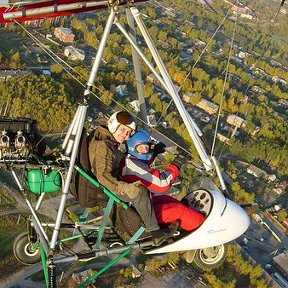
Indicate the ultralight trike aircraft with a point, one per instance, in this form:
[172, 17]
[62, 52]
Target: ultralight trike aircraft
[21, 147]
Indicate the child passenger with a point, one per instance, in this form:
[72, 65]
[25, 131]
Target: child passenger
[136, 166]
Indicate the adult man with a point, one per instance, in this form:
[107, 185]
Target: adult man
[105, 156]
[136, 167]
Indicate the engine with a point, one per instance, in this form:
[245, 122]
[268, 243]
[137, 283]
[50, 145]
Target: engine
[19, 138]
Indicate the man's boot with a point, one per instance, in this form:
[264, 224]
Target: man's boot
[160, 236]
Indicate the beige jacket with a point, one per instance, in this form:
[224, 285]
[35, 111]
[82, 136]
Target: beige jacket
[104, 158]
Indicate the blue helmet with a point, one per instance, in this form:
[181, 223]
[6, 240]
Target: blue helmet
[140, 137]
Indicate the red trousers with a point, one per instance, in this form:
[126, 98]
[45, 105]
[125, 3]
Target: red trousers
[168, 210]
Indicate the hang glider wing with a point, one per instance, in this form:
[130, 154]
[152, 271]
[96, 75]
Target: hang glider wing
[26, 10]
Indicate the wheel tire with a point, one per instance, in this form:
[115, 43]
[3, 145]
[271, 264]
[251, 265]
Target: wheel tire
[210, 258]
[24, 251]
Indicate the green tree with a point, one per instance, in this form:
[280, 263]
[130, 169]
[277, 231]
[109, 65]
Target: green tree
[14, 60]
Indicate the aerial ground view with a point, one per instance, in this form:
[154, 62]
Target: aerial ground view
[143, 143]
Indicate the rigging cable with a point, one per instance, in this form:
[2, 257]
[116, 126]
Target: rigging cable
[224, 85]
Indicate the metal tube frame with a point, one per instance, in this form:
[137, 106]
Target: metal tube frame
[137, 69]
[78, 127]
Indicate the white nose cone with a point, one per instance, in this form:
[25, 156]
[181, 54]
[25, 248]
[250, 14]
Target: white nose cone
[240, 218]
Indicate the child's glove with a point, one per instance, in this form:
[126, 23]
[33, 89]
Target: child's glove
[159, 148]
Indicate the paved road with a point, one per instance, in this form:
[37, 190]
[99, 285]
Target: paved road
[262, 244]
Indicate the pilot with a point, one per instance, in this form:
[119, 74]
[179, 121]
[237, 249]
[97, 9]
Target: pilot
[136, 166]
[105, 156]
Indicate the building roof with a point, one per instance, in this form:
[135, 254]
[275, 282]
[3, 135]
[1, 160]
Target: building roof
[74, 53]
[12, 73]
[282, 261]
[256, 171]
[208, 106]
[236, 120]
[135, 105]
[65, 30]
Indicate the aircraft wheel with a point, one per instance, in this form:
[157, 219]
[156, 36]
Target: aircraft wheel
[210, 258]
[25, 251]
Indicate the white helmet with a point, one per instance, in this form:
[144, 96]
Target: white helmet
[121, 117]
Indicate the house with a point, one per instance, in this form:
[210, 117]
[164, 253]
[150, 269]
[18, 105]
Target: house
[277, 190]
[276, 63]
[122, 90]
[239, 8]
[135, 272]
[258, 89]
[280, 187]
[7, 74]
[152, 121]
[185, 55]
[258, 71]
[272, 177]
[281, 262]
[235, 78]
[152, 79]
[283, 102]
[242, 54]
[164, 124]
[125, 60]
[187, 97]
[277, 79]
[223, 137]
[205, 119]
[199, 42]
[135, 105]
[245, 15]
[237, 59]
[208, 106]
[74, 53]
[64, 34]
[151, 111]
[236, 121]
[283, 10]
[257, 172]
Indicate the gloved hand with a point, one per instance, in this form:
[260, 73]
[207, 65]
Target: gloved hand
[179, 161]
[134, 189]
[159, 148]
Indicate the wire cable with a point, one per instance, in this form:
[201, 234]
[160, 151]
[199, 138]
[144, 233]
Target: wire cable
[224, 84]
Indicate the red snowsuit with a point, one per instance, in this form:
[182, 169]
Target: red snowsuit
[167, 208]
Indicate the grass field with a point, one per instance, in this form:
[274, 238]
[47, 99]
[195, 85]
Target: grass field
[10, 228]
